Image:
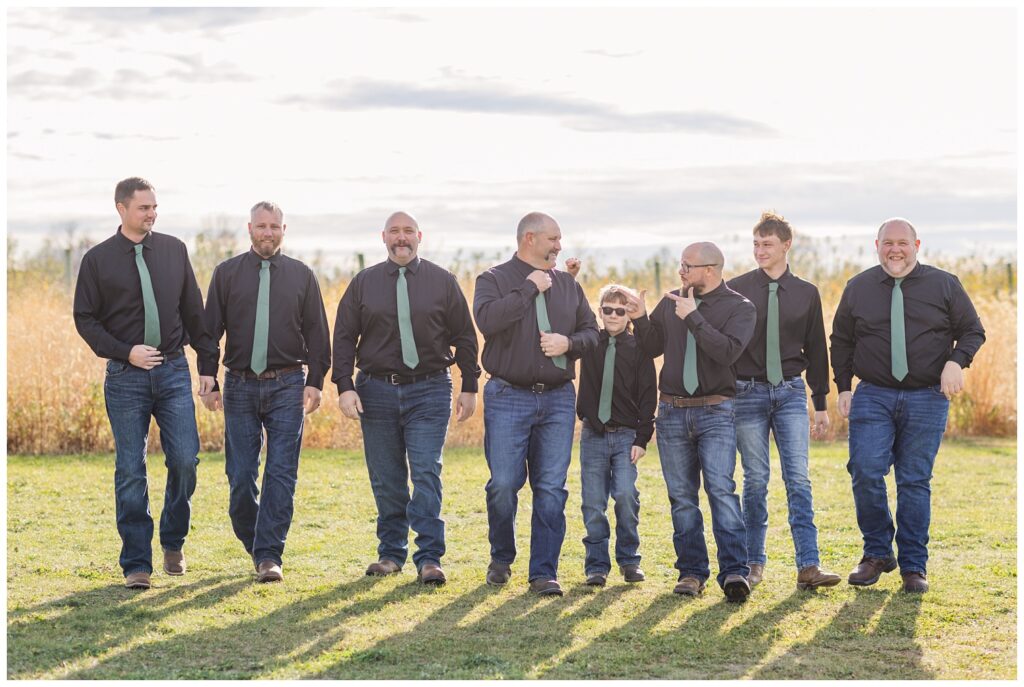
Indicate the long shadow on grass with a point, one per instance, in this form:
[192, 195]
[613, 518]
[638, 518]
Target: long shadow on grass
[256, 645]
[43, 637]
[692, 647]
[509, 641]
[858, 645]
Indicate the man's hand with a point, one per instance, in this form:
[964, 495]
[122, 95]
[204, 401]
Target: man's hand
[206, 384]
[636, 307]
[845, 399]
[212, 400]
[310, 400]
[684, 304]
[465, 406]
[572, 266]
[145, 357]
[951, 382]
[541, 278]
[350, 404]
[554, 344]
[636, 453]
[820, 428]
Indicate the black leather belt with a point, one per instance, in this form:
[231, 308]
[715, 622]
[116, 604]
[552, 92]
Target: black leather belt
[266, 374]
[171, 355]
[398, 380]
[535, 388]
[614, 428]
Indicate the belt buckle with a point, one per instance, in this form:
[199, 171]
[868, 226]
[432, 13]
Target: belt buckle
[537, 388]
[393, 379]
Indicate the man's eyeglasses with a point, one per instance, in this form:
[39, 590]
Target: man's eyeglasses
[621, 312]
[684, 267]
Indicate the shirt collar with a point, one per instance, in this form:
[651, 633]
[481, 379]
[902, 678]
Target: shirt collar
[763, 279]
[255, 258]
[127, 245]
[524, 268]
[393, 266]
[883, 275]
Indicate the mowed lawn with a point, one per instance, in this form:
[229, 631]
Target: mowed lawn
[70, 617]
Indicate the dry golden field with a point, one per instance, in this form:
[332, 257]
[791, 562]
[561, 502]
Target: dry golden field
[55, 383]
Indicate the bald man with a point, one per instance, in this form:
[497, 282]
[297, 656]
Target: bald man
[536, 322]
[398, 322]
[701, 328]
[907, 330]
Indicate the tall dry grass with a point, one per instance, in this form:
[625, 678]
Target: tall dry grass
[55, 383]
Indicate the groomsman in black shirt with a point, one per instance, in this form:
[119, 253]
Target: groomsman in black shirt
[536, 322]
[137, 303]
[398, 322]
[701, 329]
[270, 306]
[907, 330]
[789, 337]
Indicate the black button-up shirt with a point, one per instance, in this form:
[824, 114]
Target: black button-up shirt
[802, 343]
[108, 309]
[937, 314]
[722, 325]
[298, 332]
[506, 312]
[366, 330]
[634, 393]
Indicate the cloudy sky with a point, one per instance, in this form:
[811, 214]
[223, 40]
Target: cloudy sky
[636, 129]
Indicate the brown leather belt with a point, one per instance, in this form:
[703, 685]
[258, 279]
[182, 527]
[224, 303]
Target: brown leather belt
[693, 401]
[266, 374]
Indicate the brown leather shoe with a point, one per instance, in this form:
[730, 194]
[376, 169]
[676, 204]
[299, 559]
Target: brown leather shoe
[498, 574]
[546, 587]
[385, 566]
[632, 573]
[915, 583]
[268, 571]
[756, 574]
[174, 562]
[597, 580]
[736, 588]
[689, 586]
[431, 573]
[870, 569]
[812, 577]
[137, 580]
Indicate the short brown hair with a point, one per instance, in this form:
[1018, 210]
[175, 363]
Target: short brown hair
[126, 188]
[772, 224]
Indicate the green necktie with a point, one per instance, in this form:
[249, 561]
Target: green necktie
[409, 355]
[690, 382]
[151, 336]
[898, 333]
[545, 326]
[262, 329]
[773, 357]
[604, 406]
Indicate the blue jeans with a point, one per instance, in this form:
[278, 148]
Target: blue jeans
[132, 396]
[261, 521]
[605, 469]
[901, 429]
[760, 408]
[404, 428]
[528, 435]
[693, 441]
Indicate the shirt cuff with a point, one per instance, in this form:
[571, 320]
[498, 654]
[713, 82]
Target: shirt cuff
[960, 358]
[345, 384]
[820, 402]
[315, 379]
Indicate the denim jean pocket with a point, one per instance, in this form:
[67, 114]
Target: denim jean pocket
[723, 408]
[937, 389]
[116, 368]
[743, 388]
[361, 379]
[296, 378]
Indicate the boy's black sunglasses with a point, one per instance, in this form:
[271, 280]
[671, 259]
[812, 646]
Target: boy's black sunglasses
[621, 312]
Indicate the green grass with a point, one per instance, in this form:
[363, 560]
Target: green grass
[70, 617]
